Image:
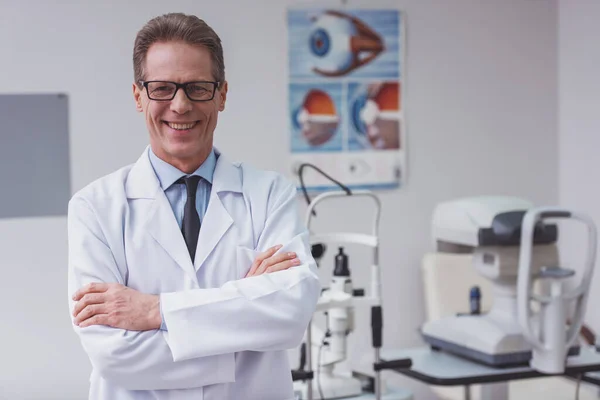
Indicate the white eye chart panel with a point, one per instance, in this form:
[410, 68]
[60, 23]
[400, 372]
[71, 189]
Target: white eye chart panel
[345, 69]
[34, 155]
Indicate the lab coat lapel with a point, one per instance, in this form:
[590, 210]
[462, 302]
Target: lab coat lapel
[216, 222]
[217, 219]
[163, 226]
[159, 220]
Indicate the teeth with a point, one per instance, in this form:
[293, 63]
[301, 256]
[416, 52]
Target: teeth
[181, 126]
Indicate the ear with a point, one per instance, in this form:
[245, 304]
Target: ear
[137, 96]
[223, 92]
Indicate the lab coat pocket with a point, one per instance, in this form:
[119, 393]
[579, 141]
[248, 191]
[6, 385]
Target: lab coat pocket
[244, 259]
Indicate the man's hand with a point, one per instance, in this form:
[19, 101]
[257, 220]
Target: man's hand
[116, 305]
[267, 262]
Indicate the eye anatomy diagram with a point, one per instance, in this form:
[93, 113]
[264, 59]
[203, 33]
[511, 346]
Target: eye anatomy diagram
[317, 117]
[341, 43]
[345, 95]
[375, 115]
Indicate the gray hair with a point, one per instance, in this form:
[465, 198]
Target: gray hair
[178, 27]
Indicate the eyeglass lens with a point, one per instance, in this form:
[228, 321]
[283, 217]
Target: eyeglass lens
[195, 90]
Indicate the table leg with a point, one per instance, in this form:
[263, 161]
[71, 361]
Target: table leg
[494, 391]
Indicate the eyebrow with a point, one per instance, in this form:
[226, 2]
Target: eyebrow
[187, 81]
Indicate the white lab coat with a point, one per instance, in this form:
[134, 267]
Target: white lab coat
[227, 336]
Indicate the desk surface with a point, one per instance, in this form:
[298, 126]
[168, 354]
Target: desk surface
[439, 368]
[395, 395]
[392, 394]
[592, 377]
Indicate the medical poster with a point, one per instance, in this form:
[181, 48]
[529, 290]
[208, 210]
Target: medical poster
[345, 96]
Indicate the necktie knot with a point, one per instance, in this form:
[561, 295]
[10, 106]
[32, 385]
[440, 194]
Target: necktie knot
[191, 184]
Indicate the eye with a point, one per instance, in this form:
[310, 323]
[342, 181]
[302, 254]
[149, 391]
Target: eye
[197, 88]
[357, 105]
[317, 106]
[375, 115]
[330, 43]
[320, 43]
[200, 90]
[160, 90]
[317, 118]
[338, 45]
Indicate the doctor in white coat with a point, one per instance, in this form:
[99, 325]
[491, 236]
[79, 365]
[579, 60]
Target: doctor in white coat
[206, 314]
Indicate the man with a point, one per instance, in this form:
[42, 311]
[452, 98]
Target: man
[189, 276]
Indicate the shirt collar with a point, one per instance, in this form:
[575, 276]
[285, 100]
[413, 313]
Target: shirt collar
[168, 174]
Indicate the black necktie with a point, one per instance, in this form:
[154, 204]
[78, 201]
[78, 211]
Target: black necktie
[191, 221]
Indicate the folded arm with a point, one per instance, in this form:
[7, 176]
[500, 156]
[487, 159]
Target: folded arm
[261, 313]
[135, 360]
[206, 326]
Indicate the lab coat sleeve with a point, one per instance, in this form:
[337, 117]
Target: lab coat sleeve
[133, 360]
[268, 312]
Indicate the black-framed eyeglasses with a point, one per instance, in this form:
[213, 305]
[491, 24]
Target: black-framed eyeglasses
[166, 91]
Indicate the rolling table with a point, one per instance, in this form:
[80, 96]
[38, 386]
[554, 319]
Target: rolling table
[388, 393]
[395, 395]
[592, 377]
[440, 368]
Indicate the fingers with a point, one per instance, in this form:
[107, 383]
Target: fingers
[95, 287]
[275, 261]
[89, 312]
[261, 257]
[98, 319]
[283, 265]
[86, 300]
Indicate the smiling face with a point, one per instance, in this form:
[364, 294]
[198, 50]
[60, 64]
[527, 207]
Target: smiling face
[181, 130]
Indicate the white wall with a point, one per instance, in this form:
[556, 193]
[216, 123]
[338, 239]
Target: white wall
[579, 123]
[481, 104]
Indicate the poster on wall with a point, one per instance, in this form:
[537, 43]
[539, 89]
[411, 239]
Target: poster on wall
[345, 96]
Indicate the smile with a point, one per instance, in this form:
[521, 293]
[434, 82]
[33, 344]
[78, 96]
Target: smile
[180, 126]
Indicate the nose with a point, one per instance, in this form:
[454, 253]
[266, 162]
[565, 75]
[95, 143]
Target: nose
[180, 103]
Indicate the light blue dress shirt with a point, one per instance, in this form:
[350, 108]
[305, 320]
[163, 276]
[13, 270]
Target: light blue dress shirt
[176, 193]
